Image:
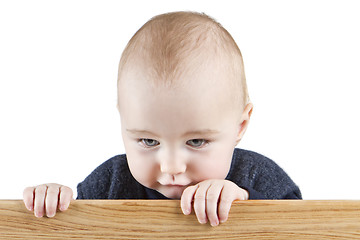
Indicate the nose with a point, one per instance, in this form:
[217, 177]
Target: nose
[172, 164]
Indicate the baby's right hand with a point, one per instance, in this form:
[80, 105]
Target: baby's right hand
[46, 198]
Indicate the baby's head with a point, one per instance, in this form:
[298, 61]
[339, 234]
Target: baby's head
[183, 101]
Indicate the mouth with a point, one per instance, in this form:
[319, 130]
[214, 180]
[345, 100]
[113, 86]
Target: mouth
[172, 191]
[174, 185]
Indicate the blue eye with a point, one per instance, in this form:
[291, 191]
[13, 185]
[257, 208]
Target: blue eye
[149, 142]
[197, 142]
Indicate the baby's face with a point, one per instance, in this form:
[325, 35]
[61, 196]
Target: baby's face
[179, 136]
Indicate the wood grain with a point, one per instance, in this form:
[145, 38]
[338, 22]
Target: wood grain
[163, 219]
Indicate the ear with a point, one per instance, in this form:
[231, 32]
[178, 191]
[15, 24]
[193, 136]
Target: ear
[117, 106]
[244, 121]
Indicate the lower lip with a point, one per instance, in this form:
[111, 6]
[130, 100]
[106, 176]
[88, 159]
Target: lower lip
[175, 185]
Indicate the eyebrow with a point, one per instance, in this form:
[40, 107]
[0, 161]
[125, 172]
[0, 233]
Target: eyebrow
[137, 131]
[196, 132]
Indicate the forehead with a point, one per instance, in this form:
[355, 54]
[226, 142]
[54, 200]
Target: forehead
[194, 74]
[198, 80]
[202, 100]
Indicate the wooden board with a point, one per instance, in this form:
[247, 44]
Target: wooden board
[163, 219]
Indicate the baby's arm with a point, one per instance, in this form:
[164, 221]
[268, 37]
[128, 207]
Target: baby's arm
[212, 200]
[46, 198]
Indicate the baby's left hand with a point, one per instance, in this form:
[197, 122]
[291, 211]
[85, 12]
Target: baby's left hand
[212, 200]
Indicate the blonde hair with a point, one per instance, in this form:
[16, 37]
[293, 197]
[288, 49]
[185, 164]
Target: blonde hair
[168, 45]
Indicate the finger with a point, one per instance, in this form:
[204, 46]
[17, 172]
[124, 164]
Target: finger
[186, 199]
[212, 200]
[51, 200]
[28, 198]
[66, 194]
[200, 202]
[39, 203]
[226, 199]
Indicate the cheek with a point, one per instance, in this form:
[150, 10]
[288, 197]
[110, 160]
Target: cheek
[143, 168]
[141, 165]
[212, 166]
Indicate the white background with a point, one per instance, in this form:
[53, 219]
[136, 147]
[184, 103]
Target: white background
[58, 71]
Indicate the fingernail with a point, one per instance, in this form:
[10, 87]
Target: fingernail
[202, 221]
[50, 215]
[62, 207]
[38, 215]
[187, 211]
[214, 224]
[223, 220]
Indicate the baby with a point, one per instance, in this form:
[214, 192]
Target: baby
[184, 106]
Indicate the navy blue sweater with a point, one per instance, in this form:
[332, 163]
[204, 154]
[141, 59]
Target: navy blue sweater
[259, 175]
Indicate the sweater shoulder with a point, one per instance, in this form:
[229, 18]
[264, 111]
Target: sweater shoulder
[249, 162]
[262, 174]
[110, 180]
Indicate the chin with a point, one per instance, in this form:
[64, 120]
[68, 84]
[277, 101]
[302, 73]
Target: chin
[172, 192]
